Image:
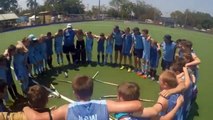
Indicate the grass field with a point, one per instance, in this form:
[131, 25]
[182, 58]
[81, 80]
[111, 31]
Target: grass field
[202, 44]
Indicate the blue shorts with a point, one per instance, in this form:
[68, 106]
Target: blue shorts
[118, 48]
[100, 49]
[165, 64]
[127, 54]
[138, 53]
[58, 50]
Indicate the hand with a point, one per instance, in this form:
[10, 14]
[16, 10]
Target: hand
[180, 100]
[165, 93]
[186, 65]
[185, 69]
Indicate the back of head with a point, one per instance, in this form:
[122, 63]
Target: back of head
[11, 48]
[37, 96]
[129, 91]
[168, 77]
[145, 31]
[83, 87]
[178, 65]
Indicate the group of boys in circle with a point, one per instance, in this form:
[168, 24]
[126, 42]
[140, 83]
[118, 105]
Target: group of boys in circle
[177, 81]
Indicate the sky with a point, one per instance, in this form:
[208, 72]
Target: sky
[166, 6]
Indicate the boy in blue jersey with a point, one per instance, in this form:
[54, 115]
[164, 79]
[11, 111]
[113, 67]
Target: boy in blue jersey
[137, 47]
[38, 56]
[154, 58]
[8, 54]
[85, 108]
[117, 35]
[49, 48]
[169, 48]
[126, 51]
[58, 45]
[146, 52]
[100, 47]
[80, 47]
[43, 53]
[20, 66]
[89, 46]
[69, 43]
[109, 48]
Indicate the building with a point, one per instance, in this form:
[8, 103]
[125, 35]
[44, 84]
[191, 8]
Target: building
[7, 21]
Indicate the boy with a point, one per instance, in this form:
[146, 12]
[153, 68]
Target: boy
[89, 46]
[117, 35]
[8, 54]
[80, 47]
[146, 52]
[100, 47]
[58, 43]
[69, 45]
[169, 48]
[49, 48]
[85, 108]
[109, 48]
[137, 47]
[126, 50]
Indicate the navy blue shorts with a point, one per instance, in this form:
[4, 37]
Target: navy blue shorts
[165, 64]
[138, 53]
[118, 48]
[69, 49]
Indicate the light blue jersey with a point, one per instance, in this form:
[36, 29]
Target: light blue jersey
[146, 50]
[168, 51]
[89, 44]
[69, 36]
[90, 110]
[38, 55]
[109, 46]
[43, 50]
[128, 116]
[31, 54]
[138, 41]
[58, 43]
[127, 44]
[118, 38]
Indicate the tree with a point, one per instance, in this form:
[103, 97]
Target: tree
[116, 4]
[8, 5]
[32, 4]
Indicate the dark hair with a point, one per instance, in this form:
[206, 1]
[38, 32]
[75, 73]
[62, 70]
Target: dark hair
[146, 31]
[83, 87]
[37, 96]
[11, 48]
[2, 86]
[178, 65]
[129, 91]
[49, 33]
[102, 34]
[60, 30]
[136, 29]
[187, 44]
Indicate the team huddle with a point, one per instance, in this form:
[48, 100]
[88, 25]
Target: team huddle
[33, 56]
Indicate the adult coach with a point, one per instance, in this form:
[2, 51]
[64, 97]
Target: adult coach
[69, 46]
[117, 35]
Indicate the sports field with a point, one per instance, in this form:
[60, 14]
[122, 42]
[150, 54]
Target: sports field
[202, 44]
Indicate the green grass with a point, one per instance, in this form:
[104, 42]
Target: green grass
[202, 44]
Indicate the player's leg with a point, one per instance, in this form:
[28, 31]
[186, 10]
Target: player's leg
[130, 63]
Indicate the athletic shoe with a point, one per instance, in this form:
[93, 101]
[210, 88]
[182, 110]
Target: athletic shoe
[153, 78]
[122, 67]
[129, 70]
[144, 76]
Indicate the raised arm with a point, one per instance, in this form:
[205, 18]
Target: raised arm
[196, 60]
[172, 113]
[58, 114]
[126, 106]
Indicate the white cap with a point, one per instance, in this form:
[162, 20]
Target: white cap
[69, 25]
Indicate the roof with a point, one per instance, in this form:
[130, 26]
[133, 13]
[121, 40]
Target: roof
[9, 16]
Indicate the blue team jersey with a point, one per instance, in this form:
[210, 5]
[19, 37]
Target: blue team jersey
[38, 54]
[31, 54]
[128, 116]
[20, 66]
[3, 73]
[49, 46]
[90, 110]
[101, 45]
[146, 50]
[138, 41]
[69, 36]
[153, 56]
[127, 44]
[89, 44]
[168, 51]
[58, 43]
[171, 104]
[118, 38]
[109, 46]
[43, 50]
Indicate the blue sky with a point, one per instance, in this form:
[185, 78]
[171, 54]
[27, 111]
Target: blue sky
[166, 6]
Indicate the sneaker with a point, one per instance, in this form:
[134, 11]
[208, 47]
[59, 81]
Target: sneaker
[153, 78]
[144, 76]
[129, 70]
[149, 76]
[122, 67]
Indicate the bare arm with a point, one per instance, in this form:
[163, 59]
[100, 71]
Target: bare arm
[58, 114]
[187, 78]
[196, 61]
[126, 106]
[172, 113]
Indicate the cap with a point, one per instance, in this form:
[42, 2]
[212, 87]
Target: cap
[69, 25]
[31, 37]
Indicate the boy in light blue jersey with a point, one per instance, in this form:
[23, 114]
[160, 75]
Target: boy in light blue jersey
[117, 35]
[58, 45]
[84, 107]
[20, 66]
[146, 53]
[137, 47]
[109, 48]
[89, 46]
[169, 48]
[126, 50]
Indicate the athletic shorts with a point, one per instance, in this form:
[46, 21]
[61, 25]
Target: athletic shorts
[138, 53]
[165, 64]
[69, 49]
[118, 48]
